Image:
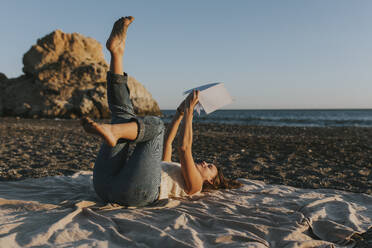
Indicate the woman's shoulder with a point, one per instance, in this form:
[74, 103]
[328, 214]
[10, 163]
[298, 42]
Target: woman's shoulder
[172, 175]
[172, 182]
[171, 167]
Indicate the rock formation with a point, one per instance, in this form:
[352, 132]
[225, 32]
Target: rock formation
[2, 76]
[65, 76]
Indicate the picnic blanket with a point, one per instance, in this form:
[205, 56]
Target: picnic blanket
[64, 211]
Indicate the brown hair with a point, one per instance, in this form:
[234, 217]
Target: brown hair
[220, 182]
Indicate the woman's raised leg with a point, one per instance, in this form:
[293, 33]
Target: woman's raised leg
[117, 92]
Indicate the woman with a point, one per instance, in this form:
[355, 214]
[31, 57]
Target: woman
[129, 168]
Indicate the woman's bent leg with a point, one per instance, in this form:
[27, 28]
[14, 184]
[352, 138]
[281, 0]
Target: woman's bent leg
[138, 182]
[111, 160]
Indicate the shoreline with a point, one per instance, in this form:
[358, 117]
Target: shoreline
[304, 157]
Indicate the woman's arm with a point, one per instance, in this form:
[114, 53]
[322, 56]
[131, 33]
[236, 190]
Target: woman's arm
[172, 131]
[193, 179]
[169, 137]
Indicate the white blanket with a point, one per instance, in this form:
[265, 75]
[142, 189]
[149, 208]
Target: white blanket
[65, 212]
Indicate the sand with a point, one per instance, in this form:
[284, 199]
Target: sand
[314, 158]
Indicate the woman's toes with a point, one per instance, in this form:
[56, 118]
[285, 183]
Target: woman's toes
[128, 20]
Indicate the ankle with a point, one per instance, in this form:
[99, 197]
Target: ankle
[110, 128]
[117, 55]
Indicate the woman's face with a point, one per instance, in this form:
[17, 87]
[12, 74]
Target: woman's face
[207, 171]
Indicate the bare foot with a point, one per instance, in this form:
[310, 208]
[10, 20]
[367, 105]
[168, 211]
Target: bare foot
[116, 41]
[102, 130]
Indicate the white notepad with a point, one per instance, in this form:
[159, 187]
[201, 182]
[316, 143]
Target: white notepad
[211, 97]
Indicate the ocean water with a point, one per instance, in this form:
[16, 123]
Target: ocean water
[299, 118]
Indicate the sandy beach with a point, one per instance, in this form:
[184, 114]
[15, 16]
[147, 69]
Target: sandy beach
[333, 158]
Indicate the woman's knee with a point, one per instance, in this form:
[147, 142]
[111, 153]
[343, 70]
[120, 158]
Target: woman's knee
[149, 127]
[154, 123]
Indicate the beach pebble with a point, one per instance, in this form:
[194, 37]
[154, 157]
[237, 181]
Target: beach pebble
[314, 164]
[365, 172]
[339, 156]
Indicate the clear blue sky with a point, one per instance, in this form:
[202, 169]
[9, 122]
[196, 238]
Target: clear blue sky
[269, 54]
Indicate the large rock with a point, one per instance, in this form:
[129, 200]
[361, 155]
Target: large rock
[65, 76]
[3, 76]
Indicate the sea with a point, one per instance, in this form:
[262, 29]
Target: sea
[295, 118]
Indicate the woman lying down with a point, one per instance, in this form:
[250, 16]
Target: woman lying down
[146, 174]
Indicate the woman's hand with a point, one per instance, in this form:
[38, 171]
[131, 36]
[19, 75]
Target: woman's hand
[191, 100]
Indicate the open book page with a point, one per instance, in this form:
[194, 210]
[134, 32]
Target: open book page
[211, 97]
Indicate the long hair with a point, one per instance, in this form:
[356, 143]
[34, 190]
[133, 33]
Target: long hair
[220, 182]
